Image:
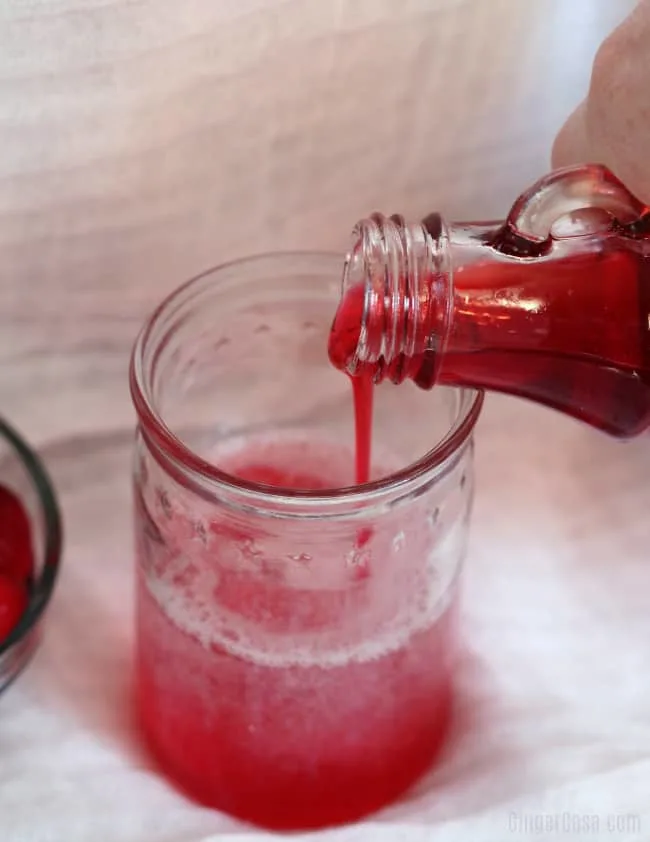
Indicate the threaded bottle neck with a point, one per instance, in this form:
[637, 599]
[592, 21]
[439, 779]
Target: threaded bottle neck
[396, 299]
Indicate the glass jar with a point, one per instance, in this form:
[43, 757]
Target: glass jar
[295, 633]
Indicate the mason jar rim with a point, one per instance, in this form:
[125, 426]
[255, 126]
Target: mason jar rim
[207, 479]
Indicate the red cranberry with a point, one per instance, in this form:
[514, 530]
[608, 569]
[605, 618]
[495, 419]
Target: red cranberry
[13, 602]
[16, 557]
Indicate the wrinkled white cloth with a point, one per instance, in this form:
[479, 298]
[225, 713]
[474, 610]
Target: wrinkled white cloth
[553, 733]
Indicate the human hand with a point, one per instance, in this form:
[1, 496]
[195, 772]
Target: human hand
[612, 125]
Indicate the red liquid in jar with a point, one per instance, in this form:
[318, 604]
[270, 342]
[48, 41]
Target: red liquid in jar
[280, 736]
[569, 331]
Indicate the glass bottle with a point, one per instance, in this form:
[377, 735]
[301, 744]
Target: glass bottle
[552, 304]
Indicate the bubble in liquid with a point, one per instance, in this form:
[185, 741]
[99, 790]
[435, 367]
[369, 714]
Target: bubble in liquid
[434, 517]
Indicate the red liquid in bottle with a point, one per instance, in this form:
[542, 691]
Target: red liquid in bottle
[576, 339]
[282, 738]
[592, 360]
[563, 321]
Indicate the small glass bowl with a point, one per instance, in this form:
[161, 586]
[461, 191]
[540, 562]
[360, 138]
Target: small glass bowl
[22, 472]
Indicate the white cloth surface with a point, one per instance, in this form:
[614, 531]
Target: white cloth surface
[553, 734]
[144, 141]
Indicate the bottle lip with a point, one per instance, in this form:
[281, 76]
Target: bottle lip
[207, 480]
[404, 271]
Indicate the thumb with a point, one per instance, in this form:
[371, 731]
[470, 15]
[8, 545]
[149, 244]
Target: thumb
[612, 125]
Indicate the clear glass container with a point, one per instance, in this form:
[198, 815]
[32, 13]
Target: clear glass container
[23, 474]
[295, 633]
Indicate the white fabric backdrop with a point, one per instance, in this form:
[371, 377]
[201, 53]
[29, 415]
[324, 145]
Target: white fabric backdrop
[140, 143]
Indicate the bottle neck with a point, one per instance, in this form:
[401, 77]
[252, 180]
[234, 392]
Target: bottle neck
[397, 298]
